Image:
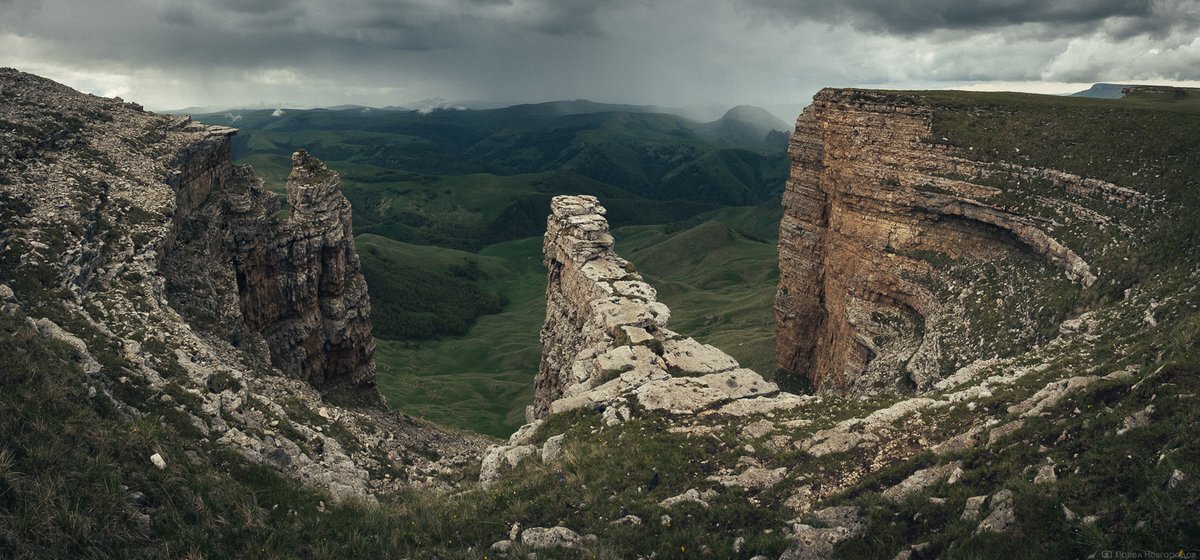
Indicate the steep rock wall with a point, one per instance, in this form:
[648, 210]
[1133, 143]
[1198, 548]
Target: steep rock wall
[605, 333]
[300, 294]
[869, 192]
[178, 281]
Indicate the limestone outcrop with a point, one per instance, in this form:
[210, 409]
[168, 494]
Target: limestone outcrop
[605, 333]
[300, 293]
[134, 237]
[871, 197]
[606, 347]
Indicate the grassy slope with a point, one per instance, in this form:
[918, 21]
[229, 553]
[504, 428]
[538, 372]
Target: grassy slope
[422, 292]
[483, 380]
[75, 480]
[1144, 141]
[719, 284]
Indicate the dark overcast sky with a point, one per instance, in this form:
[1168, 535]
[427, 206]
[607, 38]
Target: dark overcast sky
[174, 53]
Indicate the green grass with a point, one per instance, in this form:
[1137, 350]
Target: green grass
[75, 479]
[483, 380]
[1143, 141]
[719, 284]
[424, 292]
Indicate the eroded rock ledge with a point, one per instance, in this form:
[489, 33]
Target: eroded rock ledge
[871, 191]
[300, 295]
[605, 332]
[605, 345]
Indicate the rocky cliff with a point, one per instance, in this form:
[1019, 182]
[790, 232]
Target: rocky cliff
[133, 236]
[299, 292]
[605, 345]
[873, 203]
[146, 282]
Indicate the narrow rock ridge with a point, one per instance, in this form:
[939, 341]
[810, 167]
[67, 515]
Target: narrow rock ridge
[592, 297]
[605, 345]
[870, 190]
[603, 323]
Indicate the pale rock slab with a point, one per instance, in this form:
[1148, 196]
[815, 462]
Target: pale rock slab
[920, 480]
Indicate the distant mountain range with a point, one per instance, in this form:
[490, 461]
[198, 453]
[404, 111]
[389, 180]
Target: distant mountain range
[423, 177]
[780, 115]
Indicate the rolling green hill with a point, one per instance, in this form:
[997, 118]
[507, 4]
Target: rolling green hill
[466, 179]
[426, 291]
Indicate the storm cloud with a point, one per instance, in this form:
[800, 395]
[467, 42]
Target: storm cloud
[919, 16]
[171, 53]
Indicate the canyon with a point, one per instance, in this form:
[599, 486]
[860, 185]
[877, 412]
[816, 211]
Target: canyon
[982, 350]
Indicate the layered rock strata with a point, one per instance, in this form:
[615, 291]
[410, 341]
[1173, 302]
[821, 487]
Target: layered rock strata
[191, 300]
[605, 345]
[300, 292]
[868, 195]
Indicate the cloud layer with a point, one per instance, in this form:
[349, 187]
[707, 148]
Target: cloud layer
[170, 53]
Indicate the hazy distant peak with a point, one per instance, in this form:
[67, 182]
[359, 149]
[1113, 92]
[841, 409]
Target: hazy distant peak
[746, 124]
[757, 116]
[1105, 91]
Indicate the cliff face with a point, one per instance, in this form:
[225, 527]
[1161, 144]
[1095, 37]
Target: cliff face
[191, 300]
[870, 201]
[606, 348]
[605, 328]
[300, 293]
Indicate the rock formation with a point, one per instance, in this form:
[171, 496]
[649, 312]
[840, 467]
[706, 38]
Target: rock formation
[299, 287]
[135, 238]
[870, 197]
[605, 332]
[605, 345]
